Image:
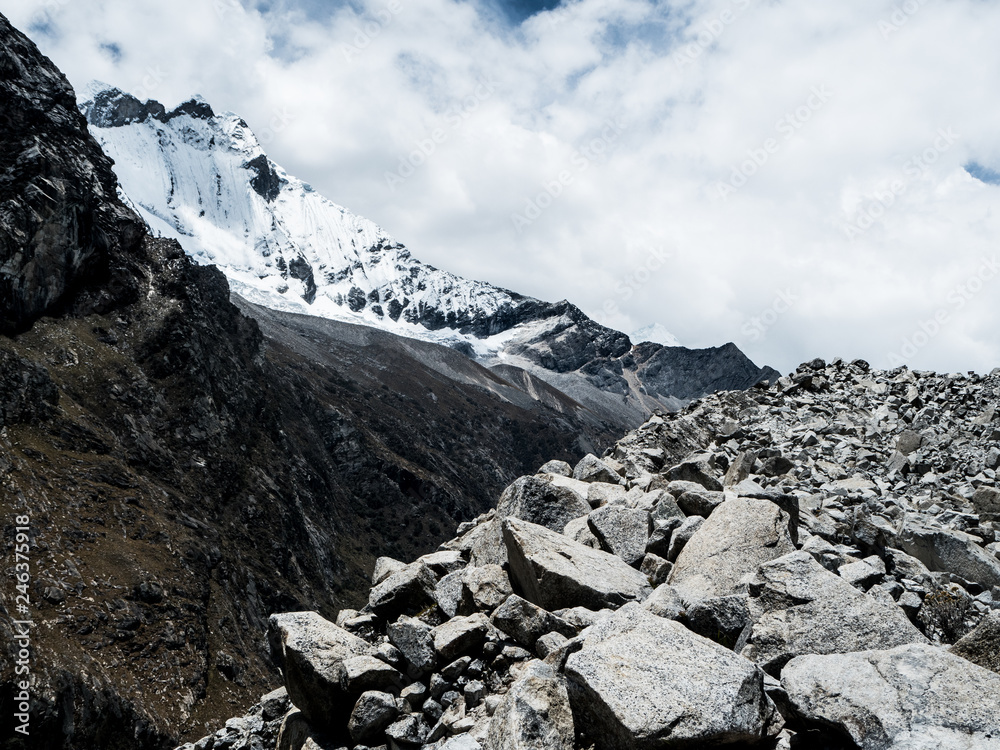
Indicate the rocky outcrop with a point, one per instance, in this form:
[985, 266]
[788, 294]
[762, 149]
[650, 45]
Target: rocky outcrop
[63, 232]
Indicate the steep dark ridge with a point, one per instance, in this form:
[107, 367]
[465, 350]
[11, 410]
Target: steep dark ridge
[186, 473]
[62, 231]
[684, 373]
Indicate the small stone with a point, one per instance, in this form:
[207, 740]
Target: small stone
[592, 469]
[474, 691]
[556, 467]
[373, 712]
[655, 568]
[454, 670]
[549, 643]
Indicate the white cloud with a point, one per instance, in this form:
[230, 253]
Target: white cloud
[696, 89]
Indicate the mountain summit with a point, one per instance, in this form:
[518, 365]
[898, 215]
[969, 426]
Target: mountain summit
[203, 179]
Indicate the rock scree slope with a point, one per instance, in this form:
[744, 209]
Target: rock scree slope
[838, 592]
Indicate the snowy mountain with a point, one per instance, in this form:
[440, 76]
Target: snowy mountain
[656, 333]
[203, 179]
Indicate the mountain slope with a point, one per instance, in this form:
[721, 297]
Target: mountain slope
[188, 470]
[204, 180]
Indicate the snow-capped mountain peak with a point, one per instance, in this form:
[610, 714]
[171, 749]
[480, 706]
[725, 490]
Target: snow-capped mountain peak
[656, 333]
[204, 179]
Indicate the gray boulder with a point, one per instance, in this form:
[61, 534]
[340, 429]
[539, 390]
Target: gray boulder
[484, 588]
[641, 681]
[326, 668]
[592, 469]
[373, 712]
[621, 531]
[664, 602]
[414, 640]
[698, 468]
[538, 500]
[664, 506]
[535, 713]
[949, 551]
[720, 619]
[982, 645]
[799, 607]
[482, 544]
[663, 531]
[655, 568]
[602, 493]
[728, 548]
[556, 467]
[459, 635]
[986, 500]
[408, 730]
[913, 697]
[579, 531]
[678, 538]
[526, 622]
[448, 592]
[700, 502]
[385, 567]
[555, 572]
[407, 591]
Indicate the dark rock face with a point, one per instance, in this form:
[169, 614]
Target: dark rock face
[299, 268]
[186, 473]
[60, 224]
[114, 108]
[692, 373]
[267, 184]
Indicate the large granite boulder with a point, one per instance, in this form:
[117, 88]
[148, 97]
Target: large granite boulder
[729, 546]
[641, 682]
[949, 551]
[555, 572]
[799, 607]
[535, 713]
[326, 668]
[539, 500]
[913, 697]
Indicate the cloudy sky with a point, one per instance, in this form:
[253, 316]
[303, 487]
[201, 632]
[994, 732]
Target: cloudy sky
[804, 179]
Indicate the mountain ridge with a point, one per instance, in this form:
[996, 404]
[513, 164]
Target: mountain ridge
[203, 179]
